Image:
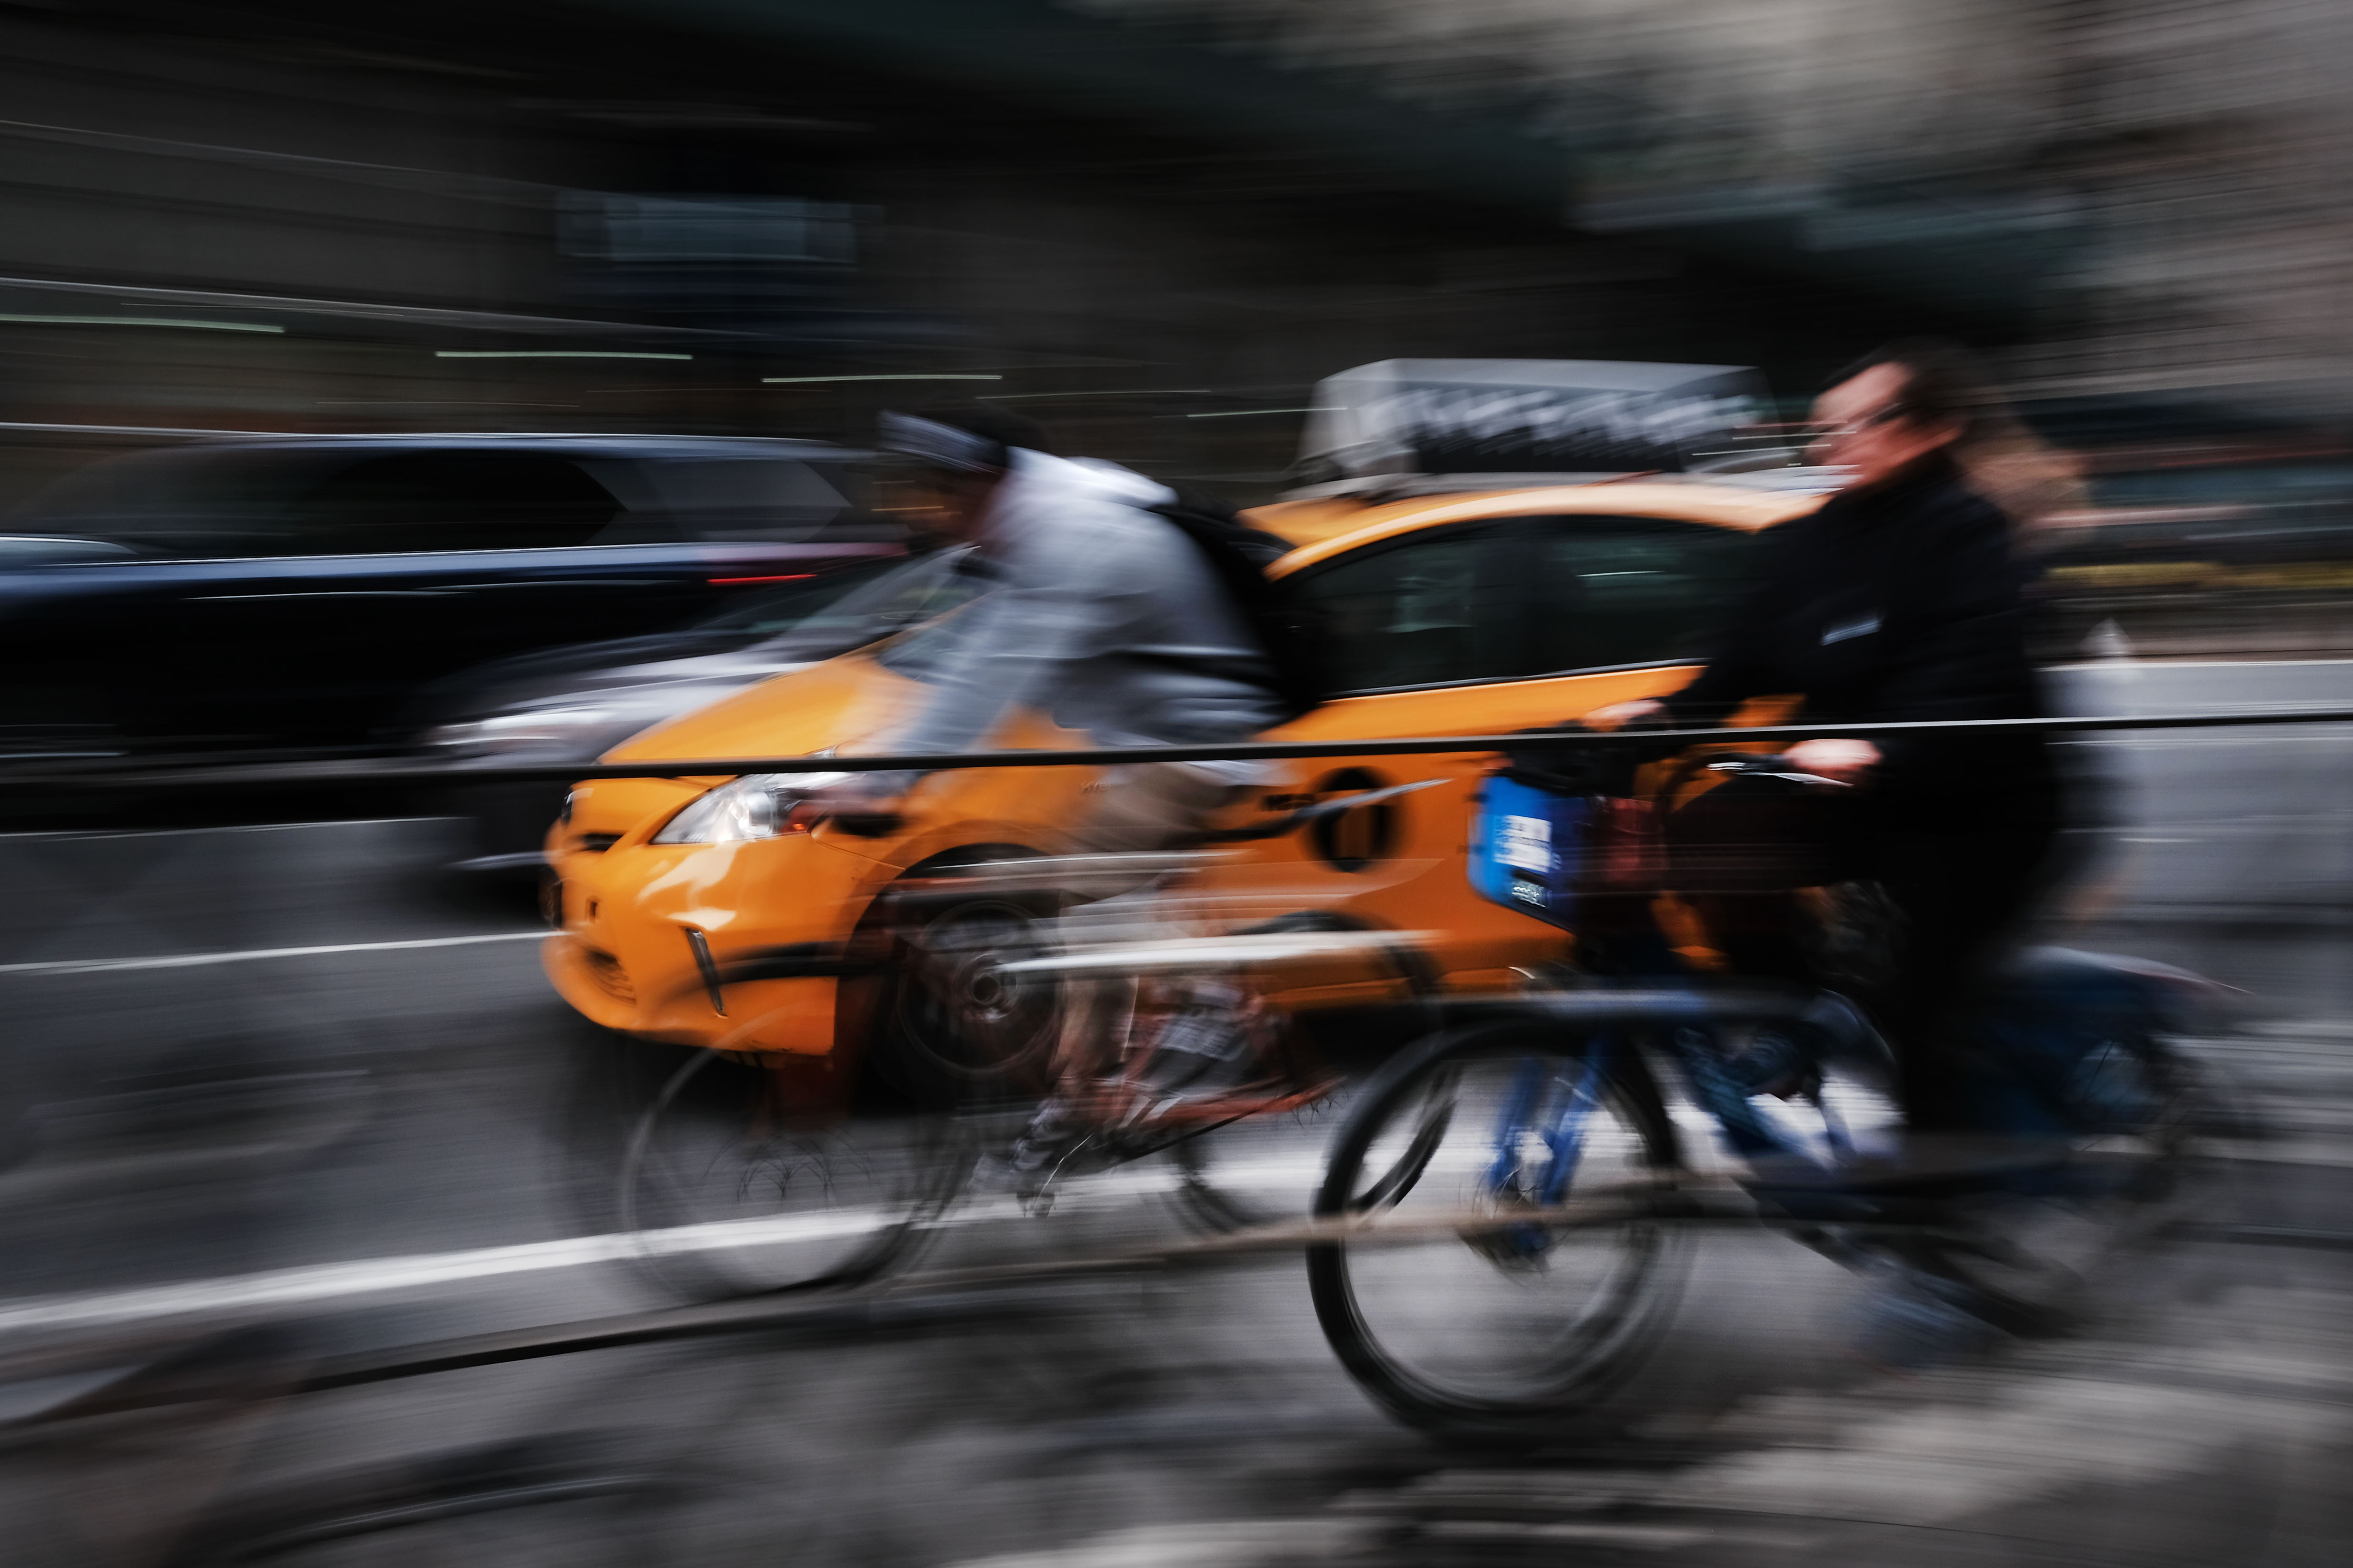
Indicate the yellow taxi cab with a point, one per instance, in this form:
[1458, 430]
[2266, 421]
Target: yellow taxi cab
[1453, 605]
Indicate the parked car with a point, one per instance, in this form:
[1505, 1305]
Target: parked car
[572, 704]
[1449, 605]
[281, 593]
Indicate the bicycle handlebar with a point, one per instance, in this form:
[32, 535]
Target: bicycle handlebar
[1771, 766]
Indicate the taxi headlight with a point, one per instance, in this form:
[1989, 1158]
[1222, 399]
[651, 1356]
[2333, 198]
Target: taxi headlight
[757, 805]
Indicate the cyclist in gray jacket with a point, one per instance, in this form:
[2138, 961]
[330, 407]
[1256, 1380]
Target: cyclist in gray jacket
[1111, 620]
[1100, 614]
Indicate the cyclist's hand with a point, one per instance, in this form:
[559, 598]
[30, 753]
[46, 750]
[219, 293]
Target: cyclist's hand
[1843, 762]
[1618, 715]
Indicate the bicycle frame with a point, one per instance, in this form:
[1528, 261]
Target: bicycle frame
[1564, 1139]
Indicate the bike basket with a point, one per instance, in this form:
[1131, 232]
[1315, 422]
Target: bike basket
[1527, 847]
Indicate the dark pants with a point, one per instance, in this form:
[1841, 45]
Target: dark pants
[1960, 890]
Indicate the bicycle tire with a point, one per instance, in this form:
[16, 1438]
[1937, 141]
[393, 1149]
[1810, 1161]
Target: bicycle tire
[1225, 1176]
[1385, 1309]
[2038, 1255]
[817, 1201]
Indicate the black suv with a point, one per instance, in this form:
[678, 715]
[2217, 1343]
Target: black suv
[292, 593]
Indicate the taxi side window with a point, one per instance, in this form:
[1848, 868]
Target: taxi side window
[1628, 590]
[1433, 611]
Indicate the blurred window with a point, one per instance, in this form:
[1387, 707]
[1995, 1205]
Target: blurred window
[435, 500]
[2239, 482]
[1435, 610]
[704, 232]
[188, 501]
[18, 550]
[858, 602]
[767, 499]
[1626, 590]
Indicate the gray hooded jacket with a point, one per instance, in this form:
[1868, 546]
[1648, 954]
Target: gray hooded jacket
[1102, 615]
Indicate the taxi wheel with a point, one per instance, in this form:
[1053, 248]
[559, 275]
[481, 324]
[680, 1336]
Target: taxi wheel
[950, 1029]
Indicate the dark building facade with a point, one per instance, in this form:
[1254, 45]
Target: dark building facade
[764, 220]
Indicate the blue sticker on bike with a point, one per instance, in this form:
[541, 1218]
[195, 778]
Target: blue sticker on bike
[1526, 846]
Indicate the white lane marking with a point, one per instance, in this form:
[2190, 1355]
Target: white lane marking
[1634, 1537]
[1237, 1543]
[378, 1276]
[372, 1275]
[2336, 736]
[252, 954]
[2165, 664]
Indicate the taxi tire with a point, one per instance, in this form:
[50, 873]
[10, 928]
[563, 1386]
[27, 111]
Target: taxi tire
[913, 1050]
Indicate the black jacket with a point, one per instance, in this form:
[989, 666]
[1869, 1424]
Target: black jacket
[1900, 602]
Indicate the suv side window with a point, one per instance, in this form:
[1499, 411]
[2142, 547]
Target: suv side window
[454, 500]
[182, 503]
[1434, 610]
[772, 500]
[1628, 590]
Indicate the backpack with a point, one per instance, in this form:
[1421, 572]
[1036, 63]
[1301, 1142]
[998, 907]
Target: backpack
[1285, 630]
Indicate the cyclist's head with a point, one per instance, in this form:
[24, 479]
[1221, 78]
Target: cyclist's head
[949, 458]
[1899, 405]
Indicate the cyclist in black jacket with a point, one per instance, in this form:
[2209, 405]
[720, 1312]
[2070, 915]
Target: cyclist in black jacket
[1899, 599]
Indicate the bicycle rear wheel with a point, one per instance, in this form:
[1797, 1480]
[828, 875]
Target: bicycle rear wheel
[2042, 1249]
[1464, 1317]
[1263, 1169]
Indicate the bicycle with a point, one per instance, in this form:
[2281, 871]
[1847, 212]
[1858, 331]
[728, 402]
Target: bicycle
[1088, 980]
[1511, 1203]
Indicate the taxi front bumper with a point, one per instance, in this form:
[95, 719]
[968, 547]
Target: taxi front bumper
[646, 935]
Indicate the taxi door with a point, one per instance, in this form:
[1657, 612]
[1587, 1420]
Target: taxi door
[1478, 628]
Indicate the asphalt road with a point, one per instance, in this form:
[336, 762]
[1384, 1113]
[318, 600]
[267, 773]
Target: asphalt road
[279, 1075]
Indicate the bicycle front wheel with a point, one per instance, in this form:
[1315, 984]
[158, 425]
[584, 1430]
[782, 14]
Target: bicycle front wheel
[1512, 1270]
[729, 1187]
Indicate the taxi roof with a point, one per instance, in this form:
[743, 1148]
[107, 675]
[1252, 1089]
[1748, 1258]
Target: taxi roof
[1329, 525]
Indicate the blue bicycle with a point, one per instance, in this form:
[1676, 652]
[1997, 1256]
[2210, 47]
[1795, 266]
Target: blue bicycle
[1511, 1206]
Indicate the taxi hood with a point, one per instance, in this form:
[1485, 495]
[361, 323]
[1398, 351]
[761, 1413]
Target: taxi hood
[789, 715]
